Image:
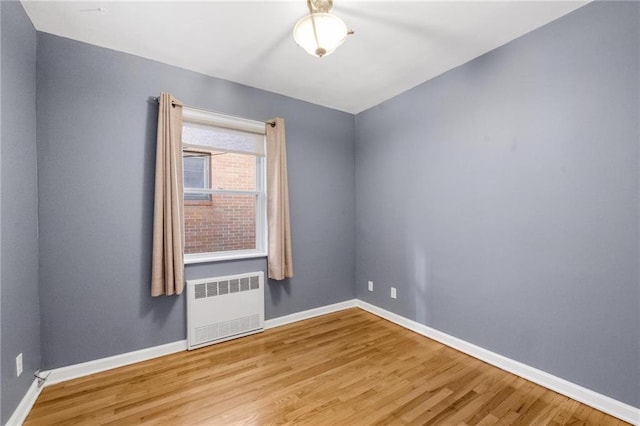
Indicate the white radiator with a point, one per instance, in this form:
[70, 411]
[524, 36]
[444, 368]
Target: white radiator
[223, 308]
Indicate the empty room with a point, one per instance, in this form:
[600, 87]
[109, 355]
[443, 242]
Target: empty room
[320, 212]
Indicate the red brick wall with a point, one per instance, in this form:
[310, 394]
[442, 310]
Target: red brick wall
[226, 222]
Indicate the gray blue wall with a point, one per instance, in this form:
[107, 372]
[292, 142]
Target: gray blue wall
[96, 159]
[501, 199]
[20, 324]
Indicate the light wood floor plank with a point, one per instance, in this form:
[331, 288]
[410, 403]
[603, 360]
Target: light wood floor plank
[345, 368]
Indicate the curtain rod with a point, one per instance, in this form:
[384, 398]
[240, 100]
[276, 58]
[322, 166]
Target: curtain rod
[270, 123]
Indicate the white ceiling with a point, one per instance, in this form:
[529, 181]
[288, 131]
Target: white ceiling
[397, 44]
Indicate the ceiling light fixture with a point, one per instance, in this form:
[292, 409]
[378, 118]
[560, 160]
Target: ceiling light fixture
[320, 33]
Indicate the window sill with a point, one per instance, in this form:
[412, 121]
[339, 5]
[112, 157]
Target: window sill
[222, 256]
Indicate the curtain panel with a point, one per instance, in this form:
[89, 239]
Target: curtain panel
[167, 269]
[280, 260]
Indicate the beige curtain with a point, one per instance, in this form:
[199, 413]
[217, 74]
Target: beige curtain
[280, 259]
[167, 270]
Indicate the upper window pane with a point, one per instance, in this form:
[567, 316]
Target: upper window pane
[233, 172]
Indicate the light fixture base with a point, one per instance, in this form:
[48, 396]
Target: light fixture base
[319, 6]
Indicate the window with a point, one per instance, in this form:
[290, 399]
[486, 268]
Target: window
[196, 166]
[224, 187]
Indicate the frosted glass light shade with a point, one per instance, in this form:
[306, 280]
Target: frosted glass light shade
[330, 32]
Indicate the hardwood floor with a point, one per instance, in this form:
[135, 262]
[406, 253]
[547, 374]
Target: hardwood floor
[346, 368]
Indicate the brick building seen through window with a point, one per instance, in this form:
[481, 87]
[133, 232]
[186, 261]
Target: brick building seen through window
[219, 222]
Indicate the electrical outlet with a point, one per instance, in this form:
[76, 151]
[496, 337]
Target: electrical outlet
[19, 365]
[393, 293]
[370, 284]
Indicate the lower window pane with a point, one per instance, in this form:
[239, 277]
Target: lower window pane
[224, 223]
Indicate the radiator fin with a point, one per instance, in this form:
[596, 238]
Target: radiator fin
[244, 284]
[201, 291]
[255, 283]
[210, 289]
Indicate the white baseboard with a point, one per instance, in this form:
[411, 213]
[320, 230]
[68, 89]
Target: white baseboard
[70, 372]
[63, 374]
[22, 410]
[315, 312]
[598, 401]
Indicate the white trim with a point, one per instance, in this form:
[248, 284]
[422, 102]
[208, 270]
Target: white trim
[103, 364]
[311, 313]
[70, 372]
[22, 410]
[190, 259]
[262, 241]
[208, 191]
[596, 400]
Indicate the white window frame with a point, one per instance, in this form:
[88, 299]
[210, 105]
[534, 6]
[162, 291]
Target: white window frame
[194, 115]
